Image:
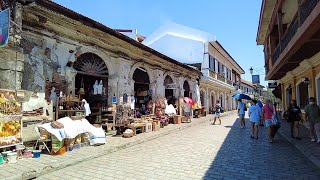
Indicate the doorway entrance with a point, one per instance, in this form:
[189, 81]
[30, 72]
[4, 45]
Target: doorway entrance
[169, 90]
[141, 89]
[288, 95]
[303, 95]
[186, 89]
[91, 69]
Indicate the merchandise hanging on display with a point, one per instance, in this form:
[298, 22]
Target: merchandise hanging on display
[10, 119]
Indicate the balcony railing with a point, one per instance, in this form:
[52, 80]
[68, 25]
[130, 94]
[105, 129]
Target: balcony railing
[304, 11]
[306, 8]
[276, 54]
[220, 77]
[229, 82]
[212, 74]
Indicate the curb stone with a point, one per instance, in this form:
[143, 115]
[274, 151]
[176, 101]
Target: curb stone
[314, 160]
[34, 173]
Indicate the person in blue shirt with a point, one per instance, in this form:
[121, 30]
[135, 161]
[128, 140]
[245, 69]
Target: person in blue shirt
[255, 116]
[241, 113]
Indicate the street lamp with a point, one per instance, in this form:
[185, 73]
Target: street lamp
[251, 70]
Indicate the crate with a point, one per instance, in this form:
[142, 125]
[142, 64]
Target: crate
[155, 125]
[60, 151]
[177, 119]
[185, 119]
[148, 127]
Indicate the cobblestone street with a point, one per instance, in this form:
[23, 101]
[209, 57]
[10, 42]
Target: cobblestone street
[199, 152]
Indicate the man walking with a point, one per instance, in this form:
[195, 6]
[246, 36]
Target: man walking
[217, 113]
[312, 116]
[241, 113]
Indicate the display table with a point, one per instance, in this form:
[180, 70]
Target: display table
[120, 128]
[134, 128]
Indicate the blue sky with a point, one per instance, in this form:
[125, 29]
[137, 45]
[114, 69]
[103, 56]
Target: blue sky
[233, 22]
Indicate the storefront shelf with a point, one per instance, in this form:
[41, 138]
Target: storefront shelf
[71, 110]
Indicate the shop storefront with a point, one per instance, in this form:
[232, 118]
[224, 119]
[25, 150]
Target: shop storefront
[170, 88]
[142, 93]
[186, 89]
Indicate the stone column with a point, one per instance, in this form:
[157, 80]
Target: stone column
[113, 88]
[12, 58]
[207, 98]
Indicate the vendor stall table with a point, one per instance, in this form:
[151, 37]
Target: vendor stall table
[140, 128]
[120, 128]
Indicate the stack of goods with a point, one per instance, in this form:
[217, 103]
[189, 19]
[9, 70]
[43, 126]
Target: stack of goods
[8, 103]
[177, 119]
[35, 112]
[58, 147]
[58, 82]
[10, 119]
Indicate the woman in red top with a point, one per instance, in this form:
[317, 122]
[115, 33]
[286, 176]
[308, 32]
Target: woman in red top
[267, 112]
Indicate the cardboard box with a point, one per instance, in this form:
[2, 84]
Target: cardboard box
[177, 119]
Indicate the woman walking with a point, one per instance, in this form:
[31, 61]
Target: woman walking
[255, 116]
[267, 112]
[294, 116]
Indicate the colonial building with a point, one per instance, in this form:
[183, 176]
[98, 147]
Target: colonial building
[290, 31]
[221, 73]
[255, 91]
[60, 48]
[247, 87]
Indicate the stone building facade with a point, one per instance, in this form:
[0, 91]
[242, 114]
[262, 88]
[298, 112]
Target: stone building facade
[54, 37]
[220, 72]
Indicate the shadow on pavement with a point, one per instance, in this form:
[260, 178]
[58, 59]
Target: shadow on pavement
[241, 157]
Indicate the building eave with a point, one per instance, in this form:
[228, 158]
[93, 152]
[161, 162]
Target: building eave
[233, 60]
[59, 9]
[266, 11]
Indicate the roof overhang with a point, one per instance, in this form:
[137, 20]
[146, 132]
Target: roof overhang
[59, 9]
[267, 8]
[233, 61]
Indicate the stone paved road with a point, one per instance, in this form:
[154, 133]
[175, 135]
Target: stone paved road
[201, 152]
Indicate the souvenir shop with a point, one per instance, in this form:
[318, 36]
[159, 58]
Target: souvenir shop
[170, 88]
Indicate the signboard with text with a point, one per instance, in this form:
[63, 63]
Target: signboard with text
[255, 79]
[4, 27]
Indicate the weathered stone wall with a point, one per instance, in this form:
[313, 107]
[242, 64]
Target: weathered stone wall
[11, 67]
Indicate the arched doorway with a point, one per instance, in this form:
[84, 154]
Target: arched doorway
[186, 89]
[169, 90]
[288, 95]
[202, 97]
[91, 69]
[141, 88]
[302, 94]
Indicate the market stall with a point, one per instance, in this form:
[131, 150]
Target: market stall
[10, 119]
[142, 93]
